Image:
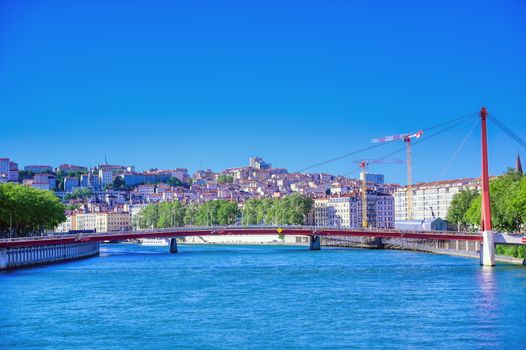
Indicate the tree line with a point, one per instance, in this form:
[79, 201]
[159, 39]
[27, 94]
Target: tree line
[508, 208]
[289, 210]
[26, 211]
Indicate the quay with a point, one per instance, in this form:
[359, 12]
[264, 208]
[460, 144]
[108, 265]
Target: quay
[27, 256]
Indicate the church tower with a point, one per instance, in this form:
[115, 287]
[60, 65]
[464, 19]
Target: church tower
[518, 165]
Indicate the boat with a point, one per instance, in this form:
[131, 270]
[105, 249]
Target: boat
[159, 242]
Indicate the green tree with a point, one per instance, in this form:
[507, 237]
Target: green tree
[148, 217]
[118, 184]
[507, 203]
[79, 193]
[290, 210]
[28, 211]
[25, 174]
[190, 214]
[171, 214]
[225, 179]
[459, 206]
[174, 181]
[511, 250]
[216, 212]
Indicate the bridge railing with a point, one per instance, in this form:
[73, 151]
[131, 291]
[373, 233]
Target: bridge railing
[217, 229]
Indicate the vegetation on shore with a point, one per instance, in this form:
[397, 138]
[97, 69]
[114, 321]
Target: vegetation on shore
[290, 210]
[286, 211]
[27, 211]
[508, 208]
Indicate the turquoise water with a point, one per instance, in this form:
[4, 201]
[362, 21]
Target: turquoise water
[261, 297]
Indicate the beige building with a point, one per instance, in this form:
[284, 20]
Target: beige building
[431, 199]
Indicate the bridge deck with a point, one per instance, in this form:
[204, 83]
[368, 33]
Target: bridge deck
[236, 230]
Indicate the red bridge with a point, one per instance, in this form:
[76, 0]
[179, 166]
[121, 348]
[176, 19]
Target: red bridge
[313, 232]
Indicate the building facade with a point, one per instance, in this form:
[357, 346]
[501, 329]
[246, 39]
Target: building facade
[38, 168]
[346, 211]
[70, 183]
[431, 199]
[101, 222]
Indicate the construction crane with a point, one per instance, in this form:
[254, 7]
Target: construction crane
[363, 165]
[407, 139]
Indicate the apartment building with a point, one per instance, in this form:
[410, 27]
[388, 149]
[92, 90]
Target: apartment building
[346, 211]
[431, 199]
[70, 183]
[101, 222]
[8, 170]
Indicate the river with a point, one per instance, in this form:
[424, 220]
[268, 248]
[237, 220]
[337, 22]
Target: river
[261, 297]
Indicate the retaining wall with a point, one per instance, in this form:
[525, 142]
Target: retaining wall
[11, 258]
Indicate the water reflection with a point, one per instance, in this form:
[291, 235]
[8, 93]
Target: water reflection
[487, 286]
[486, 300]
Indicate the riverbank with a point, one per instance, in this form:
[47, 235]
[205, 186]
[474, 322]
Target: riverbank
[454, 248]
[21, 257]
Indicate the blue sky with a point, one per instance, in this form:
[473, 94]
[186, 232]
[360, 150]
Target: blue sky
[207, 84]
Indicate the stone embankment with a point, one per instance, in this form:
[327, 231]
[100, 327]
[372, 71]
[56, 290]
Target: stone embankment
[11, 258]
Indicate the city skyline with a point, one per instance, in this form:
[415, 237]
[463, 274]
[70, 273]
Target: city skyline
[148, 93]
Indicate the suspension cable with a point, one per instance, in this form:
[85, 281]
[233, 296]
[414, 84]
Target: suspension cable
[508, 131]
[459, 148]
[459, 122]
[463, 118]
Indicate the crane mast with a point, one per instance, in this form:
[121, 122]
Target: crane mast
[406, 138]
[409, 193]
[365, 224]
[363, 166]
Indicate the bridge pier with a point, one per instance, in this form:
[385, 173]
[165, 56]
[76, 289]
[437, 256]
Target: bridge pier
[315, 243]
[3, 259]
[173, 245]
[487, 251]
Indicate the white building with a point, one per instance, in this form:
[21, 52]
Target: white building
[431, 199]
[346, 211]
[258, 163]
[8, 170]
[13, 172]
[4, 166]
[70, 183]
[105, 177]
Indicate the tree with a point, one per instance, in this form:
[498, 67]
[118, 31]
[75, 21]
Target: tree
[190, 214]
[225, 179]
[25, 174]
[28, 211]
[290, 210]
[174, 181]
[79, 193]
[148, 217]
[508, 205]
[171, 214]
[216, 212]
[460, 205]
[118, 184]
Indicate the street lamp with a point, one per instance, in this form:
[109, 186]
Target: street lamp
[10, 225]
